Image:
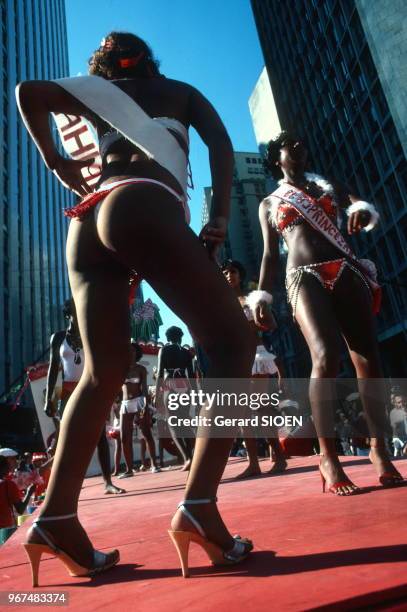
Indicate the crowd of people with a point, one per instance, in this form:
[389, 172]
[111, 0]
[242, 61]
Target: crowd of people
[141, 119]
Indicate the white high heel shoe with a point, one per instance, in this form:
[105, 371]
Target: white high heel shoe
[182, 539]
[101, 561]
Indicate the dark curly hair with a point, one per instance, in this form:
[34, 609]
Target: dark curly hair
[174, 334]
[138, 351]
[123, 55]
[68, 308]
[273, 154]
[233, 263]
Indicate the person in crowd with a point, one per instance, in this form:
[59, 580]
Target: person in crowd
[12, 458]
[331, 293]
[175, 374]
[66, 351]
[11, 501]
[134, 411]
[265, 365]
[40, 467]
[142, 121]
[113, 433]
[398, 419]
[144, 422]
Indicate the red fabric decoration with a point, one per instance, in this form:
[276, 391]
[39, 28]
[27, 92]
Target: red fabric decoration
[130, 62]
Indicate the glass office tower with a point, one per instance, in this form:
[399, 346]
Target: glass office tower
[33, 276]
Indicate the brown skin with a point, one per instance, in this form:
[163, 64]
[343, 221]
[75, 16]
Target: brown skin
[100, 256]
[132, 390]
[74, 339]
[322, 317]
[265, 322]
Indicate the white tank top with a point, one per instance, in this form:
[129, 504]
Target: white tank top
[72, 362]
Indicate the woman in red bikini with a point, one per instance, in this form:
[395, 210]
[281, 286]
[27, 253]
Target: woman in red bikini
[137, 220]
[331, 293]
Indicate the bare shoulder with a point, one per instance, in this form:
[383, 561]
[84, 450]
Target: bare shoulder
[57, 338]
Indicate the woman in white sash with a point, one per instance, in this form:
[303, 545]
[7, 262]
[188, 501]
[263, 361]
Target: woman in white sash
[136, 221]
[330, 291]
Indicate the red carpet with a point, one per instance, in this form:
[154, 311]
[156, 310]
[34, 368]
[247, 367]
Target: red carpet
[312, 551]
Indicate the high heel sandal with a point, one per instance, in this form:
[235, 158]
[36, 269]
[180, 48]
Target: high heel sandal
[336, 487]
[101, 561]
[216, 554]
[388, 479]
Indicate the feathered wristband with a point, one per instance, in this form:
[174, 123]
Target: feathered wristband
[360, 205]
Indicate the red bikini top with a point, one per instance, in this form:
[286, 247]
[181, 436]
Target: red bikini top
[285, 217]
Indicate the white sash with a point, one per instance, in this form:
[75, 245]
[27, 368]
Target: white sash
[312, 212]
[120, 111]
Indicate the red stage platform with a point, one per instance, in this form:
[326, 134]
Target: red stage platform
[312, 551]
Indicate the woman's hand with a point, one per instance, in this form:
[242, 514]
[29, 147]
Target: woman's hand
[358, 220]
[213, 234]
[69, 173]
[262, 317]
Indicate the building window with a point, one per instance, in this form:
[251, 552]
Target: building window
[397, 249]
[393, 194]
[381, 154]
[380, 102]
[392, 140]
[248, 160]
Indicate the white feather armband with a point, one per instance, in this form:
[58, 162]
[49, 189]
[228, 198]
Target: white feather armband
[365, 206]
[255, 297]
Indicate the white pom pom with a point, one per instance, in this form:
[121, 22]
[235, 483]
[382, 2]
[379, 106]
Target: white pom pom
[360, 205]
[255, 297]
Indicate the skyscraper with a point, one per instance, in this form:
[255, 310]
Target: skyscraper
[244, 240]
[333, 72]
[33, 276]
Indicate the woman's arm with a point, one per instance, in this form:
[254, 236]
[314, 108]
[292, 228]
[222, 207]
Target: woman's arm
[270, 260]
[36, 100]
[204, 118]
[361, 214]
[160, 372]
[258, 300]
[144, 386]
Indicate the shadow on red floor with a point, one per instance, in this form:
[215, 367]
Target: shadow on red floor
[312, 551]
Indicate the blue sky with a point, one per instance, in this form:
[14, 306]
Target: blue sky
[211, 44]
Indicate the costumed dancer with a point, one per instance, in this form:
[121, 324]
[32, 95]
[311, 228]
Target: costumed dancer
[265, 365]
[175, 374]
[331, 293]
[134, 407]
[66, 351]
[142, 121]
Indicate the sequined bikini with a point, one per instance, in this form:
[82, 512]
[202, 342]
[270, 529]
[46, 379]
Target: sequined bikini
[285, 217]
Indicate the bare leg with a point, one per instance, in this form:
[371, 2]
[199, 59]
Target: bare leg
[126, 220]
[104, 460]
[318, 323]
[277, 455]
[222, 332]
[143, 449]
[117, 456]
[149, 440]
[107, 358]
[253, 469]
[358, 328]
[126, 432]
